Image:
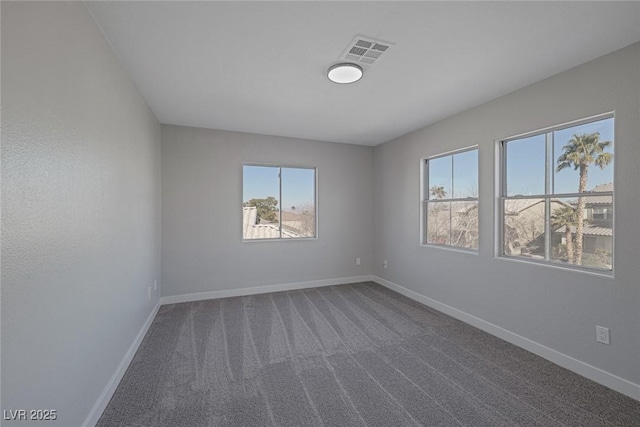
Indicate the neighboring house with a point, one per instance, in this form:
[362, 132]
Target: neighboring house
[524, 226]
[598, 225]
[251, 230]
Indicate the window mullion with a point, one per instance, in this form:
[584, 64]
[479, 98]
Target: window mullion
[503, 171]
[450, 203]
[548, 189]
[280, 200]
[547, 229]
[551, 162]
[453, 194]
[425, 195]
[450, 219]
[425, 225]
[503, 194]
[547, 164]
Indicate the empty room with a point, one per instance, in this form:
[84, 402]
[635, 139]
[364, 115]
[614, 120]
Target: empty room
[320, 213]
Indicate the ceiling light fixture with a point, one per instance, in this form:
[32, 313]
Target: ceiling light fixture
[344, 73]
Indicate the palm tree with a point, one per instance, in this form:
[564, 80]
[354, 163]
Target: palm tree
[565, 217]
[438, 192]
[580, 152]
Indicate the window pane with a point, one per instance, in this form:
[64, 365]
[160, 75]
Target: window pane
[298, 203]
[590, 144]
[465, 174]
[596, 231]
[464, 224]
[525, 166]
[439, 178]
[260, 190]
[439, 221]
[524, 233]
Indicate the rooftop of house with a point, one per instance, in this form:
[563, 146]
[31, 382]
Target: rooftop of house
[601, 200]
[251, 230]
[589, 230]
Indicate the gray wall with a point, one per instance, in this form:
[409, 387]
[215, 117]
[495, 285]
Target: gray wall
[554, 307]
[202, 248]
[80, 210]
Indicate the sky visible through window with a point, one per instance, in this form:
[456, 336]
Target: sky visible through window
[298, 186]
[465, 171]
[526, 162]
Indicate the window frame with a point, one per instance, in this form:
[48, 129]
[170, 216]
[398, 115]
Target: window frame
[604, 213]
[281, 166]
[501, 189]
[424, 200]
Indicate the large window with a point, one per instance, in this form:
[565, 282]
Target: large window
[279, 202]
[450, 200]
[557, 195]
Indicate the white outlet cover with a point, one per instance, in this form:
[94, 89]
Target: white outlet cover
[602, 334]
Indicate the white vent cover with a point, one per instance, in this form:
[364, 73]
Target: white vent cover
[365, 50]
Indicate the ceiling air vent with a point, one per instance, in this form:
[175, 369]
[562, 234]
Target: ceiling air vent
[365, 50]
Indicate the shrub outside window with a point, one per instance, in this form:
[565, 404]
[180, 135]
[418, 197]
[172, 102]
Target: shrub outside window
[557, 193]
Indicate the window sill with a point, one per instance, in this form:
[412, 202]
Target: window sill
[564, 267]
[296, 239]
[450, 248]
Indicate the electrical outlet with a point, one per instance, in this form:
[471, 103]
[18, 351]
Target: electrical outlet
[385, 264]
[148, 292]
[602, 334]
[357, 261]
[155, 285]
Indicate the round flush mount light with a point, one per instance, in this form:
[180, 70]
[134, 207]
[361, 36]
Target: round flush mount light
[344, 73]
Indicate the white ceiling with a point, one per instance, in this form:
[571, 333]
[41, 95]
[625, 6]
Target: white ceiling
[260, 67]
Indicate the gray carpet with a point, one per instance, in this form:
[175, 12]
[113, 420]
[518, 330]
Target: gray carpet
[349, 355]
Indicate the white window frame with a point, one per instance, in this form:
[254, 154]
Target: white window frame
[502, 196]
[315, 200]
[424, 200]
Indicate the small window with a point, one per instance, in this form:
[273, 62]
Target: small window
[557, 195]
[450, 200]
[279, 202]
[599, 214]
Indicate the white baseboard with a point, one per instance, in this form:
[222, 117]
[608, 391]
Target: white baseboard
[598, 375]
[108, 391]
[173, 299]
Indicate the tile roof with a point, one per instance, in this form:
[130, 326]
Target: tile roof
[600, 200]
[589, 230]
[603, 187]
[251, 230]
